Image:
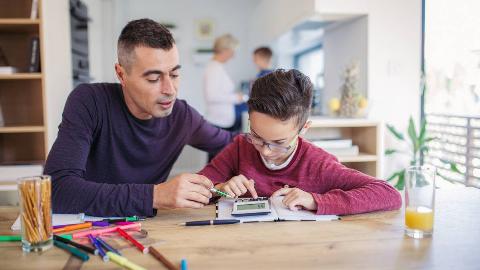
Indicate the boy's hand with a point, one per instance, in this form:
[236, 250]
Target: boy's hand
[296, 198]
[238, 185]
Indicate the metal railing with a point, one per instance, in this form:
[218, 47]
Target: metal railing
[457, 140]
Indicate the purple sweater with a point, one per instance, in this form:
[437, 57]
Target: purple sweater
[105, 161]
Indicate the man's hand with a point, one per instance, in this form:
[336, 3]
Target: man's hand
[182, 191]
[238, 185]
[296, 198]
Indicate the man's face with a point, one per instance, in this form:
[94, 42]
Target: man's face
[150, 86]
[264, 128]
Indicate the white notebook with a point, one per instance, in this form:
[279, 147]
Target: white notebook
[63, 219]
[279, 213]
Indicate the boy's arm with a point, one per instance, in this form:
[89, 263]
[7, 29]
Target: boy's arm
[352, 192]
[225, 165]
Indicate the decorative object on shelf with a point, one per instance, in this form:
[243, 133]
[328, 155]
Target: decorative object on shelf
[168, 25]
[34, 10]
[34, 63]
[79, 38]
[5, 67]
[2, 121]
[202, 55]
[204, 29]
[351, 103]
[418, 147]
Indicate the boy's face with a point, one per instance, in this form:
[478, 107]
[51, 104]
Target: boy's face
[266, 129]
[260, 61]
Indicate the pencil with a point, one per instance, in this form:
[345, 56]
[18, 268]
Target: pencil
[75, 244]
[7, 238]
[134, 226]
[221, 193]
[75, 252]
[96, 244]
[107, 246]
[132, 240]
[161, 258]
[124, 262]
[74, 227]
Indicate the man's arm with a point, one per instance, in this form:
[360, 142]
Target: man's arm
[204, 135]
[66, 163]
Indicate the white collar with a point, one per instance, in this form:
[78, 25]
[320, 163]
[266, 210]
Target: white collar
[274, 167]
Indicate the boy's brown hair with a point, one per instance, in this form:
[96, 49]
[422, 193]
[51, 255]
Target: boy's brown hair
[264, 52]
[282, 95]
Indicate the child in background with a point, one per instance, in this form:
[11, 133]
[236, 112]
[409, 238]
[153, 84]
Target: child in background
[273, 159]
[262, 58]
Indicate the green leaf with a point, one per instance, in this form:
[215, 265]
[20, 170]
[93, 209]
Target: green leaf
[395, 132]
[412, 133]
[423, 132]
[393, 176]
[390, 151]
[429, 139]
[445, 178]
[454, 168]
[400, 185]
[424, 149]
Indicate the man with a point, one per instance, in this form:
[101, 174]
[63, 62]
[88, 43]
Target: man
[117, 143]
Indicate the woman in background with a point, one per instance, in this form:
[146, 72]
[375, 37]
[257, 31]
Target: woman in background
[220, 94]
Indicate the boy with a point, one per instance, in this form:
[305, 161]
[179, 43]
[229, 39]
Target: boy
[262, 57]
[272, 159]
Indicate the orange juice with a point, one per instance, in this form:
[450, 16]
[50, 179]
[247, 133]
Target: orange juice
[419, 218]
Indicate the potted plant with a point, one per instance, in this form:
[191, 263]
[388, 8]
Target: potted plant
[418, 147]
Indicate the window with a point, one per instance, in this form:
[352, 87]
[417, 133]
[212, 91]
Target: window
[311, 63]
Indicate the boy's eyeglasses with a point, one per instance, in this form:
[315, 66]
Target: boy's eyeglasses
[276, 148]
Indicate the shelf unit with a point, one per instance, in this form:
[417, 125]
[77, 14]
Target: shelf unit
[23, 136]
[364, 133]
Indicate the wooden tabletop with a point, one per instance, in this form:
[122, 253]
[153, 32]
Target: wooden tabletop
[369, 241]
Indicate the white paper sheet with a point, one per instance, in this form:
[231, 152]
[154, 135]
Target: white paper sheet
[63, 219]
[279, 212]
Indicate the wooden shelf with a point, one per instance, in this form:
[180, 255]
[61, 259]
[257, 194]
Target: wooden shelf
[329, 122]
[364, 133]
[22, 129]
[21, 76]
[19, 25]
[19, 21]
[23, 138]
[362, 157]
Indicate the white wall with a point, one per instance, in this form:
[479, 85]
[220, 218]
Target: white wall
[57, 63]
[109, 17]
[394, 32]
[272, 18]
[392, 59]
[343, 43]
[220, 11]
[393, 47]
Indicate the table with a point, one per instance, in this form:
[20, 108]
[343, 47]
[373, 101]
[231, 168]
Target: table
[367, 241]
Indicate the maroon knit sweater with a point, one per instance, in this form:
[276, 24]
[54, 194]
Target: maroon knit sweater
[337, 189]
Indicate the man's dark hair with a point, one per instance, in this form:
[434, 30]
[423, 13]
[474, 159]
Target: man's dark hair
[282, 95]
[142, 32]
[264, 52]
